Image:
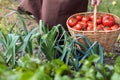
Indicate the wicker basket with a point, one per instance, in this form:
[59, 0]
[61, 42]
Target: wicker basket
[106, 38]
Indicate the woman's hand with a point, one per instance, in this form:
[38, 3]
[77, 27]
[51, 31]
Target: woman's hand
[95, 2]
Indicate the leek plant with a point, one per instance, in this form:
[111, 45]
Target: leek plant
[54, 43]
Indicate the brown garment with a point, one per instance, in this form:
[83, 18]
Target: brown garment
[53, 12]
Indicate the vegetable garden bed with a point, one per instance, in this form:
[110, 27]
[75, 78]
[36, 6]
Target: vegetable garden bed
[30, 52]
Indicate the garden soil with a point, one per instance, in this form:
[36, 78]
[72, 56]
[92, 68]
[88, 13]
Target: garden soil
[110, 59]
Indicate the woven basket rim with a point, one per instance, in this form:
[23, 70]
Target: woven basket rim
[91, 13]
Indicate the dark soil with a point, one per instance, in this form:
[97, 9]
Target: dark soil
[111, 57]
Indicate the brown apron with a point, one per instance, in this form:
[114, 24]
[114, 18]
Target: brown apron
[53, 12]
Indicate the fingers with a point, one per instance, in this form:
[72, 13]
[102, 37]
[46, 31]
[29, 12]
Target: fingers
[95, 2]
[98, 2]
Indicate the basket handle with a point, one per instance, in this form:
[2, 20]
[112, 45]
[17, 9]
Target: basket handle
[95, 17]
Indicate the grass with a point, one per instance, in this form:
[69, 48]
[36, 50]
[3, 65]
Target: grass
[8, 6]
[112, 6]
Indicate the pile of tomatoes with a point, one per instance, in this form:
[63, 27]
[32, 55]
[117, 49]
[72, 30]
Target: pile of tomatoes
[104, 22]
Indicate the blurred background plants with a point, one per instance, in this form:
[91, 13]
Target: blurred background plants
[111, 6]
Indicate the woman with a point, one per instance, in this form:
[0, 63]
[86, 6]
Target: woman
[54, 12]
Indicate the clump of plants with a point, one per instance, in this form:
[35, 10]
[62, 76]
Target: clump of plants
[48, 42]
[64, 57]
[32, 68]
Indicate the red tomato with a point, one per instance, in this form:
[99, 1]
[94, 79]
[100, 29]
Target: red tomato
[90, 23]
[84, 24]
[89, 28]
[78, 26]
[106, 28]
[99, 20]
[100, 27]
[78, 17]
[91, 17]
[72, 22]
[85, 19]
[114, 27]
[108, 20]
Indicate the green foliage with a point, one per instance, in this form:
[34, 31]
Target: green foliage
[111, 6]
[118, 39]
[5, 27]
[26, 41]
[73, 51]
[9, 44]
[115, 76]
[31, 68]
[29, 62]
[117, 65]
[50, 43]
[47, 40]
[15, 44]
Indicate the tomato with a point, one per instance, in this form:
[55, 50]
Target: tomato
[78, 17]
[91, 17]
[108, 20]
[100, 27]
[99, 20]
[78, 26]
[89, 28]
[106, 28]
[84, 24]
[72, 22]
[90, 23]
[85, 18]
[114, 27]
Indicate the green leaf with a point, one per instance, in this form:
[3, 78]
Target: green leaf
[117, 65]
[26, 75]
[27, 44]
[3, 40]
[101, 54]
[47, 43]
[40, 75]
[10, 51]
[24, 24]
[58, 77]
[42, 28]
[115, 76]
[84, 38]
